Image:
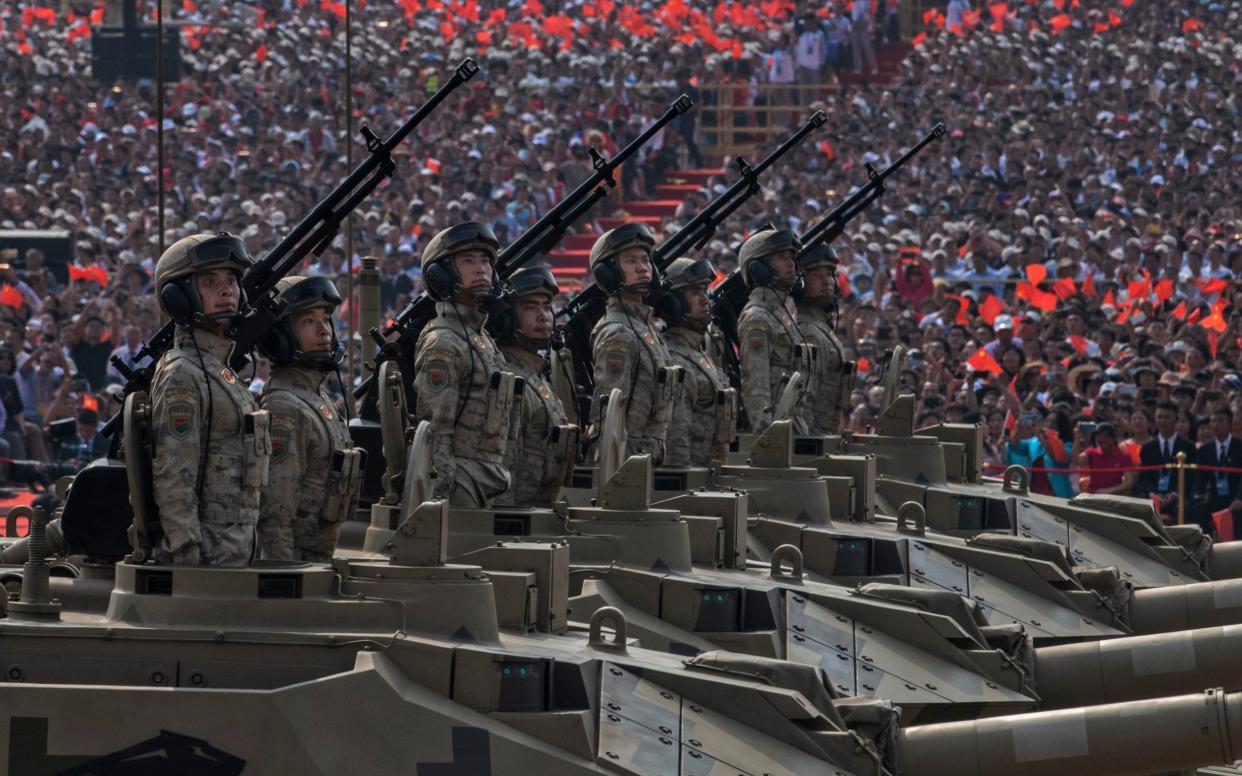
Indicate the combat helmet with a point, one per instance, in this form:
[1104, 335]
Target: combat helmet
[526, 282]
[758, 248]
[181, 261]
[300, 294]
[683, 273]
[439, 274]
[611, 244]
[816, 256]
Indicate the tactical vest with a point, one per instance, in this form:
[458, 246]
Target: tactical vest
[826, 405]
[705, 420]
[646, 376]
[545, 450]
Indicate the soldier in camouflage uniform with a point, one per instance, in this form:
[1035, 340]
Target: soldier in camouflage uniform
[211, 444]
[817, 300]
[769, 343]
[704, 422]
[459, 372]
[316, 472]
[627, 350]
[544, 451]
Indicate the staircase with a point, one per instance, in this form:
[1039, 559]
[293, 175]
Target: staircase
[888, 57]
[569, 260]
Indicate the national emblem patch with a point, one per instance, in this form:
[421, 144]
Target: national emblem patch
[437, 376]
[326, 411]
[228, 376]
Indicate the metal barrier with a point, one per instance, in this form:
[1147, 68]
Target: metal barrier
[738, 117]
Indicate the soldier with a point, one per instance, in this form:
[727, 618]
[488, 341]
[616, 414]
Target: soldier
[825, 407]
[211, 444]
[316, 472]
[459, 371]
[544, 450]
[769, 343]
[627, 350]
[704, 422]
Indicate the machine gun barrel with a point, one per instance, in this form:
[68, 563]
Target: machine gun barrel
[729, 297]
[542, 236]
[588, 306]
[313, 233]
[832, 225]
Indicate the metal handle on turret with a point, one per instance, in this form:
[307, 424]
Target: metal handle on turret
[1017, 480]
[790, 553]
[595, 635]
[912, 510]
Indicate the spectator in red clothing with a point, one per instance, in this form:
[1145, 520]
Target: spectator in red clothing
[1104, 454]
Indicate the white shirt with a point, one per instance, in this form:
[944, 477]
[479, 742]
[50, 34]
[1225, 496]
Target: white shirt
[810, 49]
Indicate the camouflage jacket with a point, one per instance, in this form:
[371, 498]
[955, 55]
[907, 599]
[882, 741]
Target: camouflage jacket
[704, 422]
[768, 340]
[315, 471]
[825, 405]
[631, 355]
[204, 423]
[544, 451]
[458, 374]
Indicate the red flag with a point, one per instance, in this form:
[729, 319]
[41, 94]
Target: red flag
[1055, 446]
[260, 54]
[90, 403]
[77, 273]
[997, 26]
[1164, 290]
[1191, 24]
[863, 365]
[1114, 18]
[1109, 300]
[843, 283]
[1023, 291]
[998, 10]
[11, 296]
[1064, 288]
[1044, 300]
[1079, 342]
[1139, 290]
[1195, 315]
[1088, 287]
[1223, 520]
[1036, 273]
[919, 40]
[1214, 286]
[1059, 23]
[1216, 320]
[991, 307]
[928, 16]
[98, 274]
[982, 361]
[1179, 312]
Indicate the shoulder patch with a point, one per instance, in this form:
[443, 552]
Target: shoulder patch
[437, 373]
[282, 433]
[228, 376]
[326, 411]
[182, 408]
[615, 361]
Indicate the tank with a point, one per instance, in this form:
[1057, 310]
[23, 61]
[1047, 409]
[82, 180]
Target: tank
[337, 665]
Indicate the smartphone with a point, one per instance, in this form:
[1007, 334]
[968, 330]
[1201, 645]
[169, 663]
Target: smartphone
[1086, 426]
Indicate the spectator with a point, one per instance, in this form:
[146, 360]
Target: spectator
[1162, 450]
[1103, 454]
[1215, 490]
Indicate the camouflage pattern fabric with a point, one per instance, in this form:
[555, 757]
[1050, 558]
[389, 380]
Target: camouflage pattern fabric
[704, 422]
[824, 409]
[315, 470]
[539, 458]
[189, 407]
[469, 422]
[630, 354]
[768, 339]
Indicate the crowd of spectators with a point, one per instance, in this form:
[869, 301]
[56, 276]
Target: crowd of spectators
[1080, 224]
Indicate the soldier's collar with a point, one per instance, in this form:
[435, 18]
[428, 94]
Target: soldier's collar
[637, 309]
[206, 341]
[523, 357]
[311, 379]
[471, 316]
[684, 334]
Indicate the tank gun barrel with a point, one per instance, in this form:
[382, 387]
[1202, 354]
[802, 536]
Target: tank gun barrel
[1120, 739]
[1136, 667]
